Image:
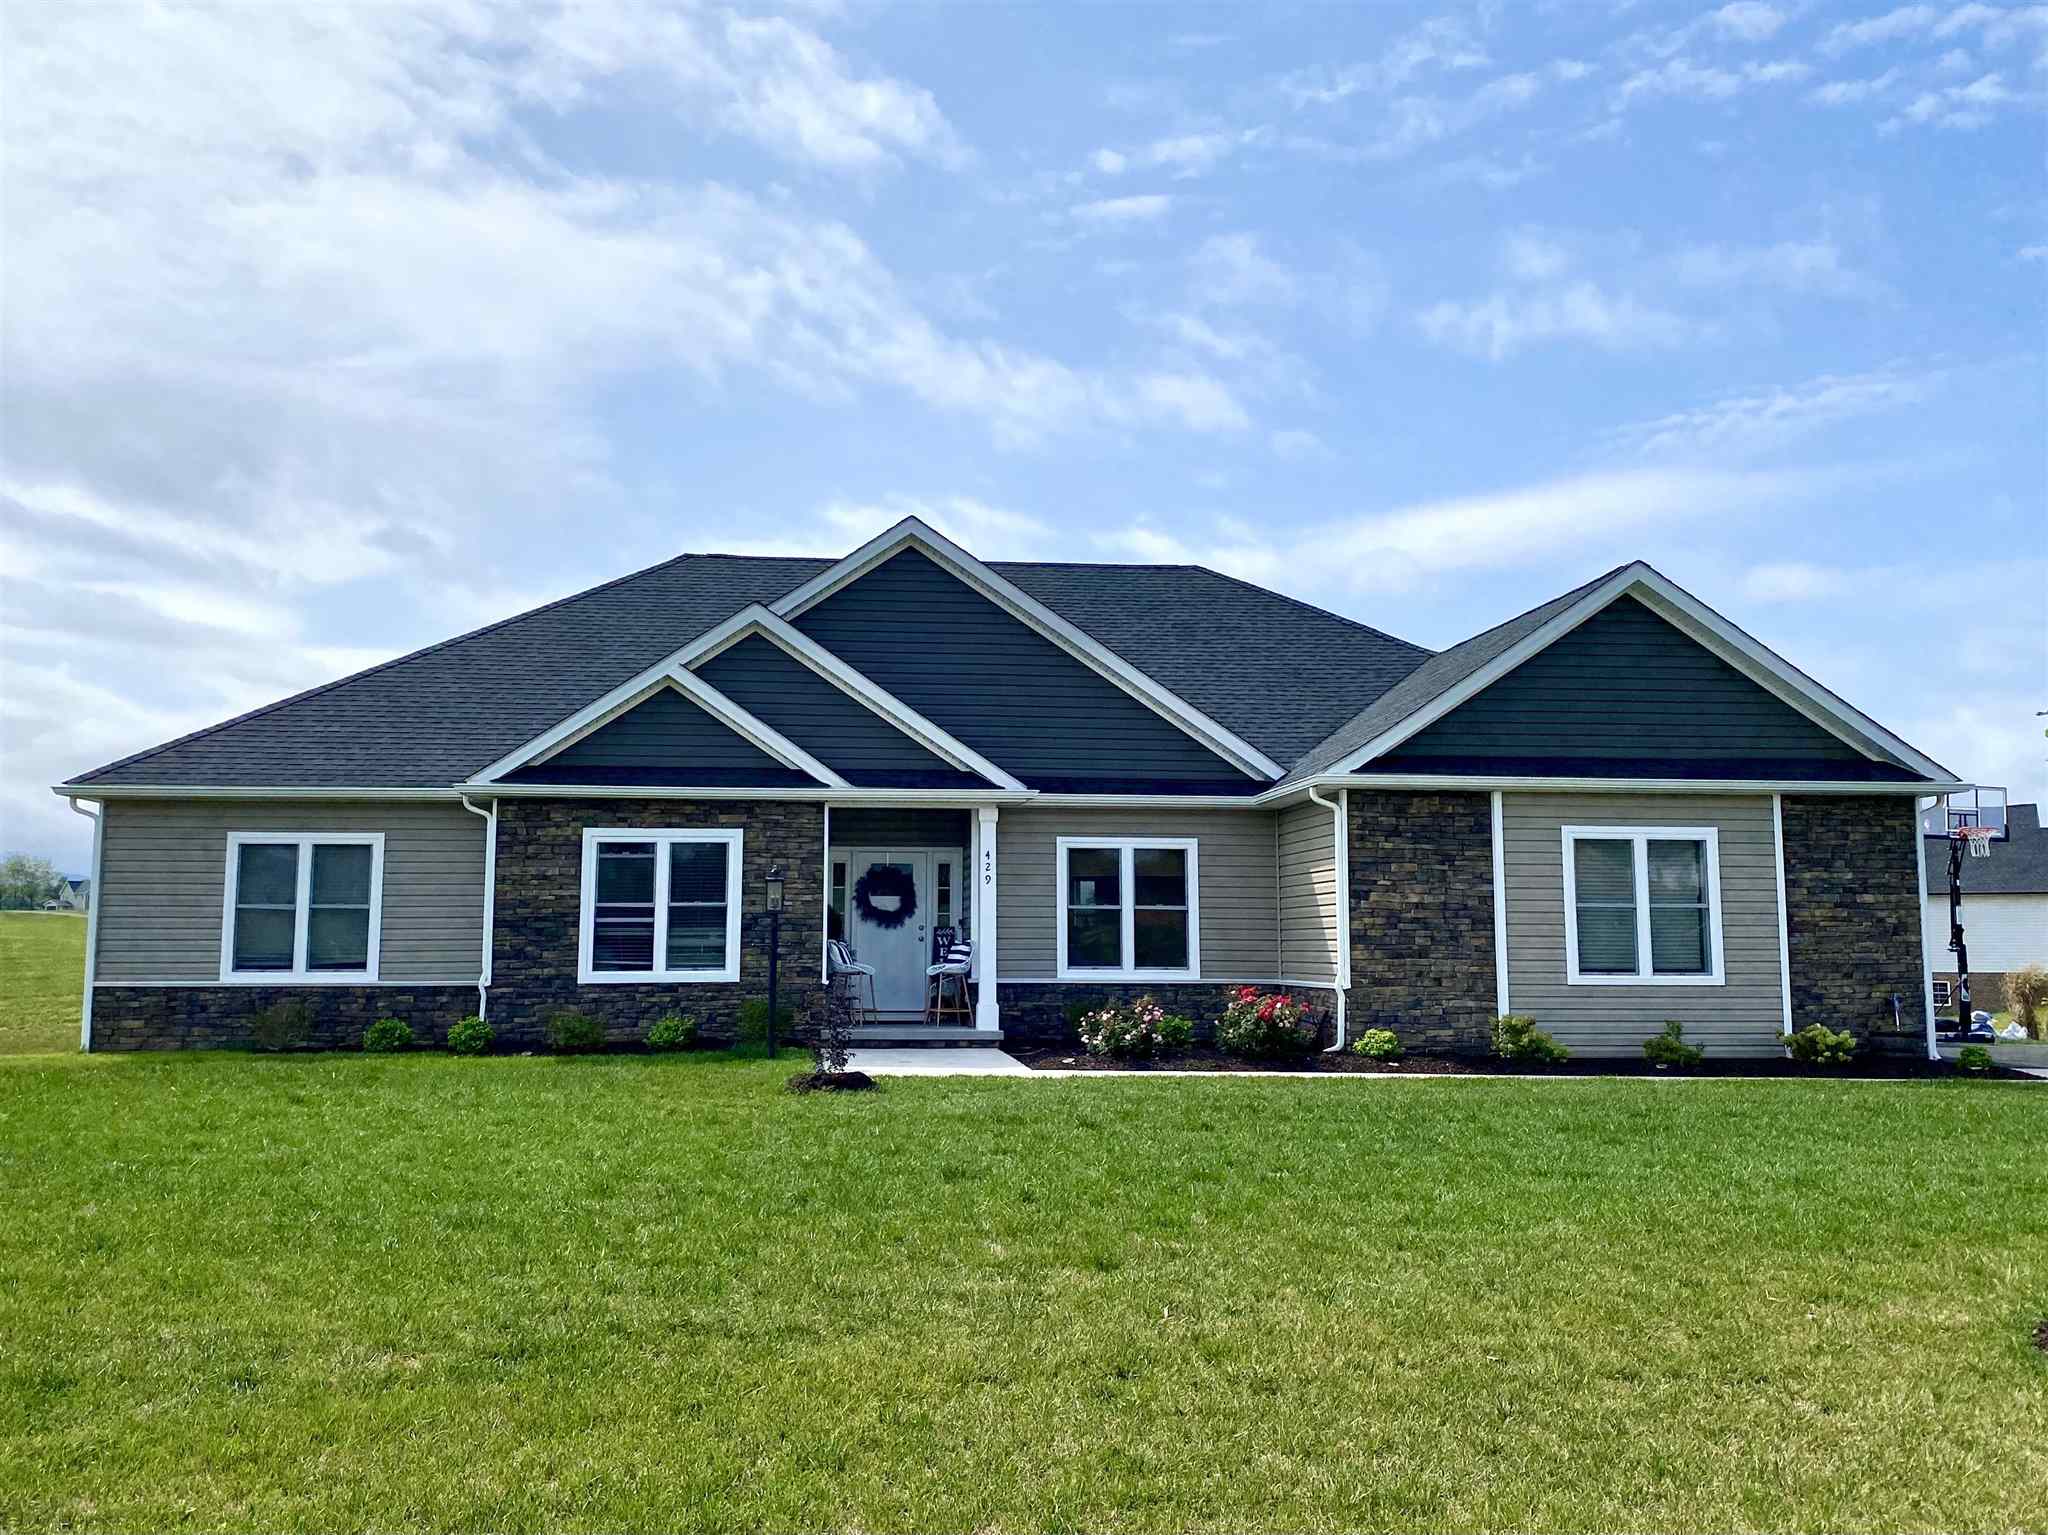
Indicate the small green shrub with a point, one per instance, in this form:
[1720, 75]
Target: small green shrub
[1176, 1032]
[752, 1023]
[284, 1025]
[1265, 1024]
[575, 1034]
[1670, 1048]
[672, 1031]
[387, 1035]
[469, 1036]
[1516, 1038]
[1378, 1045]
[1819, 1045]
[1974, 1058]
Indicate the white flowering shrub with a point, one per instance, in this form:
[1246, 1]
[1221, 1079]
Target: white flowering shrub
[1142, 1027]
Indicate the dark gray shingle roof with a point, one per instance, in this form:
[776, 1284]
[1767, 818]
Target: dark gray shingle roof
[2017, 866]
[1278, 672]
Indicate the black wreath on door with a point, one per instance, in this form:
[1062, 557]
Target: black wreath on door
[884, 880]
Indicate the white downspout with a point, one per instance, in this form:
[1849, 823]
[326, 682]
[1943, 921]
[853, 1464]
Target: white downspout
[92, 916]
[1340, 810]
[483, 974]
[1926, 969]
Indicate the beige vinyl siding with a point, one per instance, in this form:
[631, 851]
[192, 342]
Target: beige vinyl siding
[1308, 894]
[164, 866]
[1744, 1014]
[1238, 883]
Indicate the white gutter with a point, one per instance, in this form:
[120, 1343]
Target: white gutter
[483, 974]
[1917, 787]
[1340, 810]
[92, 917]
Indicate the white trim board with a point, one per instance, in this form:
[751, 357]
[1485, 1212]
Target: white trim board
[635, 691]
[302, 908]
[662, 838]
[911, 533]
[1699, 623]
[1641, 837]
[1127, 888]
[800, 647]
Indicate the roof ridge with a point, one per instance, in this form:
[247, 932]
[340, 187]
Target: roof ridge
[370, 671]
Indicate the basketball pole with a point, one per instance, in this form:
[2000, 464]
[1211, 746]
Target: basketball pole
[1955, 930]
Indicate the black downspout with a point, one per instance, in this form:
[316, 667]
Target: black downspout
[1955, 933]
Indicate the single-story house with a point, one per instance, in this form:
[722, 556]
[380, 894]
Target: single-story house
[70, 895]
[2005, 911]
[1613, 809]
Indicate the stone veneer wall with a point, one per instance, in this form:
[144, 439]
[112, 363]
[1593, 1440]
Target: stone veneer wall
[1422, 918]
[1852, 915]
[1043, 1014]
[219, 1017]
[540, 892]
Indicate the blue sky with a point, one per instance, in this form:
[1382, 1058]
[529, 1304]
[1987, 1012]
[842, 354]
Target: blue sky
[330, 332]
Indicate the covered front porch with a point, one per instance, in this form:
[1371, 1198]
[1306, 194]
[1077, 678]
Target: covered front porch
[903, 882]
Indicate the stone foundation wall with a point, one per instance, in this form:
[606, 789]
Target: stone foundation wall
[540, 892]
[222, 1017]
[1422, 918]
[1852, 916]
[1045, 1014]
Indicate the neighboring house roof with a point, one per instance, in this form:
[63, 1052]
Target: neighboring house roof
[2018, 865]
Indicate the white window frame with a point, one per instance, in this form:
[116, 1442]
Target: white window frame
[1128, 847]
[1642, 837]
[662, 838]
[305, 842]
[1944, 993]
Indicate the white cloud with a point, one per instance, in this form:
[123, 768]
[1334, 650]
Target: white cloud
[1905, 21]
[1797, 266]
[1504, 323]
[1793, 581]
[993, 533]
[1122, 210]
[2032, 253]
[1961, 107]
[1840, 93]
[1194, 400]
[1234, 269]
[1748, 21]
[1444, 45]
[1109, 162]
[1742, 425]
[1527, 255]
[1683, 79]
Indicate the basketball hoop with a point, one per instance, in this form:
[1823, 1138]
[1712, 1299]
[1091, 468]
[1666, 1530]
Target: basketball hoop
[1976, 838]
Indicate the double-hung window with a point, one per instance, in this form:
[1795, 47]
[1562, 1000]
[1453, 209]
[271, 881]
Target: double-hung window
[660, 906]
[1129, 908]
[302, 907]
[1642, 906]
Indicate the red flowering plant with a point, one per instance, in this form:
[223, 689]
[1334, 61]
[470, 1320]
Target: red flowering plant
[1265, 1023]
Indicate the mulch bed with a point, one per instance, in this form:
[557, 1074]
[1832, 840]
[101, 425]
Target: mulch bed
[1208, 1058]
[831, 1082]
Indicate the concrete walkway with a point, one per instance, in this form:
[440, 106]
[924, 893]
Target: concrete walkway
[929, 1061]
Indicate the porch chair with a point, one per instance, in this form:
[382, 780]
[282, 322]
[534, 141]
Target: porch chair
[840, 961]
[945, 983]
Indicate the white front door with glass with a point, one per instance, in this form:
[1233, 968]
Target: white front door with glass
[871, 889]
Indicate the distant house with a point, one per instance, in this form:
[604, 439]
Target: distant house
[2005, 898]
[70, 895]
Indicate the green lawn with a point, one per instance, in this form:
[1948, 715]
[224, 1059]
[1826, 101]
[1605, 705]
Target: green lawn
[42, 968]
[424, 1293]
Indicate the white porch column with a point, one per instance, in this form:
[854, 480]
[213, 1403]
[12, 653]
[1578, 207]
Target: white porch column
[986, 1014]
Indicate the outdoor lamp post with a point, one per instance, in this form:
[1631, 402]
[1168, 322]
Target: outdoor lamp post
[774, 946]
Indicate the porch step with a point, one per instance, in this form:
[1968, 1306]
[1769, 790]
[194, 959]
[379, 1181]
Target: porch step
[922, 1034]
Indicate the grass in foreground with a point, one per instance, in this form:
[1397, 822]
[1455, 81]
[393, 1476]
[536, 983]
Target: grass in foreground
[522, 1294]
[42, 969]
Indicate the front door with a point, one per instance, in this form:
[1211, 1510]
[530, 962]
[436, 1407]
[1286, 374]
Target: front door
[900, 953]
